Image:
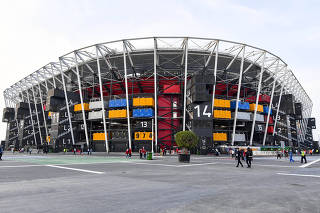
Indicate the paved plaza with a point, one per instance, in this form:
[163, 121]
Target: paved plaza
[98, 183]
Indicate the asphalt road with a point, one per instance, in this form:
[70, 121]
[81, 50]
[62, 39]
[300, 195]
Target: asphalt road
[58, 183]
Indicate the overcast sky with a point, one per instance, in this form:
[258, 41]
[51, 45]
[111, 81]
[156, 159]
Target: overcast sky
[33, 33]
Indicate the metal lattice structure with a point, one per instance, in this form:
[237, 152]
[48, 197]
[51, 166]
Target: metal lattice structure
[128, 62]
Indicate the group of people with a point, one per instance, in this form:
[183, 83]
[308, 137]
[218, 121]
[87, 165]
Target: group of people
[289, 154]
[128, 153]
[143, 153]
[241, 154]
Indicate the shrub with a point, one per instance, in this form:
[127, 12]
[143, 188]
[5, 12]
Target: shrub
[186, 139]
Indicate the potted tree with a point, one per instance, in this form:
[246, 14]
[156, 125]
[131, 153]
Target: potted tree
[186, 140]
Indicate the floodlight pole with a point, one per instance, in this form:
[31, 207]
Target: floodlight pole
[127, 95]
[238, 96]
[67, 101]
[185, 85]
[102, 103]
[81, 99]
[257, 99]
[155, 93]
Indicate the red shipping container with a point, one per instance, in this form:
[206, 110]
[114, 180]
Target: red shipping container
[172, 89]
[270, 119]
[264, 98]
[251, 99]
[270, 129]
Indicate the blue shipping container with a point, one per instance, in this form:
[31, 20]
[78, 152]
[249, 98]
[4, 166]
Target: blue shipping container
[111, 103]
[142, 113]
[266, 110]
[241, 105]
[136, 113]
[119, 103]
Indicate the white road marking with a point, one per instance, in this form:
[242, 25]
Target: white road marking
[197, 164]
[301, 175]
[310, 163]
[75, 169]
[154, 164]
[261, 165]
[20, 166]
[170, 165]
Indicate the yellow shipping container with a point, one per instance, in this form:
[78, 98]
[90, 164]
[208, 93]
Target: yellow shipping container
[217, 113]
[227, 103]
[222, 114]
[118, 113]
[228, 114]
[143, 136]
[143, 102]
[123, 113]
[137, 136]
[99, 136]
[112, 113]
[222, 103]
[136, 102]
[220, 136]
[78, 107]
[217, 102]
[253, 107]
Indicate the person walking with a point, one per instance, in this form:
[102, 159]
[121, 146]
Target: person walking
[278, 154]
[249, 156]
[74, 150]
[130, 152]
[303, 156]
[1, 151]
[238, 157]
[291, 159]
[127, 153]
[140, 153]
[144, 152]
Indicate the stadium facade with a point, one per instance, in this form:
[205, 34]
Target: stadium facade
[140, 92]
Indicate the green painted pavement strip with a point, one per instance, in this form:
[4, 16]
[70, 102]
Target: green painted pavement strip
[70, 160]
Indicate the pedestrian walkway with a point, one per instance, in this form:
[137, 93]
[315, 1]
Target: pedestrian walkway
[68, 159]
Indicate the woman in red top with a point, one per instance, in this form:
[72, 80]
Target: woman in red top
[130, 152]
[127, 153]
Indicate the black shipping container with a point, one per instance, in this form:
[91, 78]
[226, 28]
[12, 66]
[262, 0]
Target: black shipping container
[312, 123]
[8, 114]
[22, 105]
[21, 113]
[54, 104]
[287, 103]
[56, 93]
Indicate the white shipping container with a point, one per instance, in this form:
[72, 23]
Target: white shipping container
[245, 116]
[239, 137]
[259, 117]
[97, 105]
[95, 115]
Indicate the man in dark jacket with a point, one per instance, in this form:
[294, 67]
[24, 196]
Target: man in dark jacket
[249, 156]
[238, 157]
[1, 150]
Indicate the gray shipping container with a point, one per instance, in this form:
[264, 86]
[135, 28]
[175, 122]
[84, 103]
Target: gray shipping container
[239, 137]
[97, 105]
[95, 115]
[259, 117]
[245, 116]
